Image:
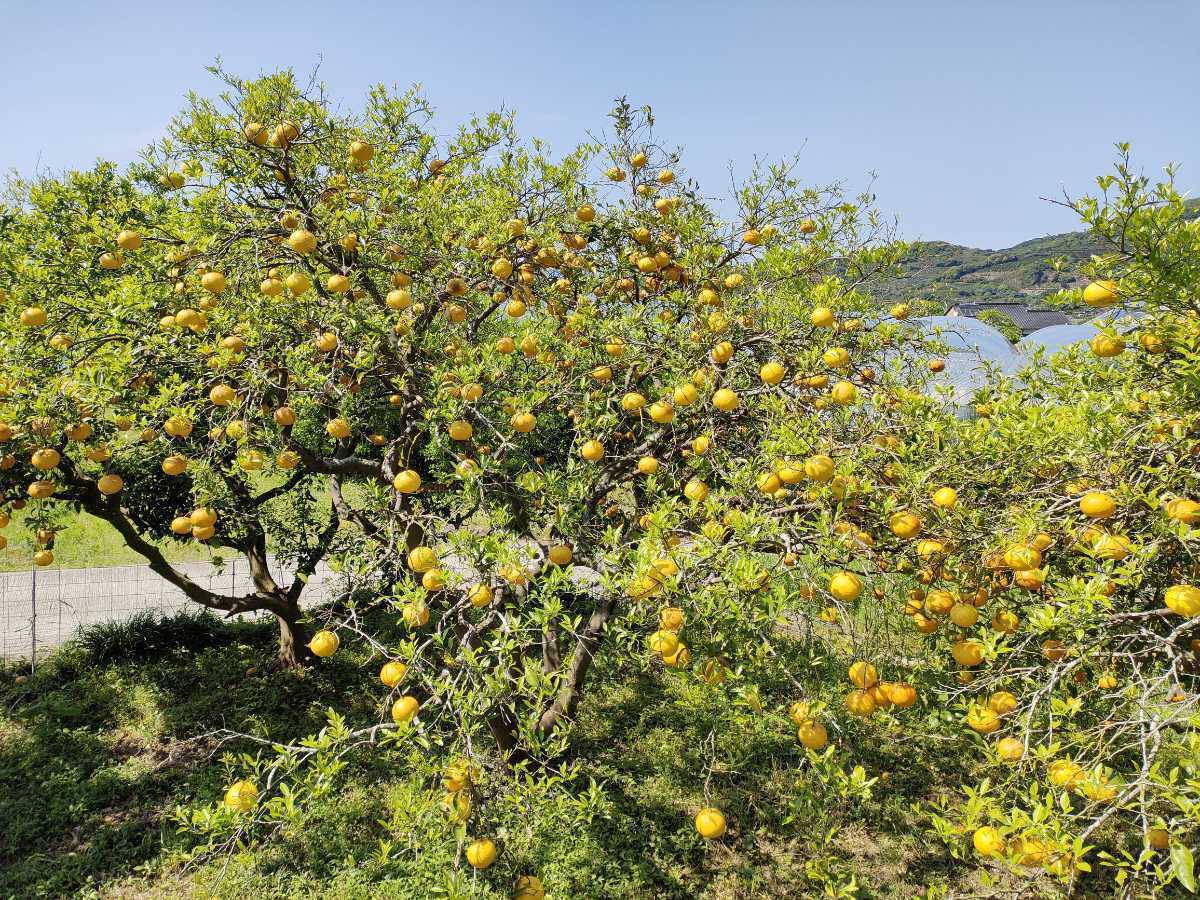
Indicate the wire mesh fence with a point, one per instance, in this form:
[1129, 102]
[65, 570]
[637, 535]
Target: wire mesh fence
[42, 608]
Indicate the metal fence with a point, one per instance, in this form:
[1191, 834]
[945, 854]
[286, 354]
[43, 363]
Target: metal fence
[42, 608]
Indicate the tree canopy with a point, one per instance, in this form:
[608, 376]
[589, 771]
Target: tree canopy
[545, 413]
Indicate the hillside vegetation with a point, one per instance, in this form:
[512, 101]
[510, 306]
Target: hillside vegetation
[1031, 271]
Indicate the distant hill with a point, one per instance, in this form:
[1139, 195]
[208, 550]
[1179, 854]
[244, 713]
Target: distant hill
[950, 274]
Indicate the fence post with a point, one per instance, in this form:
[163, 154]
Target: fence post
[33, 621]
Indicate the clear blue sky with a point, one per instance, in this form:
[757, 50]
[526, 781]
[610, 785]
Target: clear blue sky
[967, 111]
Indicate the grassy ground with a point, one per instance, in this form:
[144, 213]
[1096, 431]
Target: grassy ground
[85, 541]
[99, 746]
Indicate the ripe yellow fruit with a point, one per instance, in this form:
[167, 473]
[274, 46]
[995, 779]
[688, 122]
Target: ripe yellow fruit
[298, 283]
[33, 317]
[863, 674]
[710, 823]
[337, 428]
[302, 241]
[812, 734]
[213, 282]
[844, 393]
[256, 133]
[967, 653]
[721, 353]
[1101, 294]
[632, 402]
[110, 484]
[45, 459]
[337, 284]
[725, 400]
[987, 841]
[404, 709]
[769, 483]
[945, 498]
[819, 468]
[964, 615]
[1010, 749]
[772, 372]
[361, 151]
[523, 422]
[222, 395]
[1002, 703]
[900, 694]
[592, 451]
[480, 595]
[860, 703]
[415, 615]
[845, 586]
[181, 525]
[695, 490]
[43, 558]
[647, 465]
[560, 554]
[392, 672]
[129, 240]
[1097, 505]
[324, 643]
[1182, 510]
[836, 357]
[1112, 546]
[670, 618]
[481, 853]
[662, 412]
[242, 796]
[1020, 558]
[905, 524]
[1054, 650]
[203, 517]
[407, 482]
[529, 887]
[1065, 773]
[1107, 345]
[982, 720]
[664, 642]
[1183, 600]
[1158, 838]
[111, 261]
[421, 559]
[822, 317]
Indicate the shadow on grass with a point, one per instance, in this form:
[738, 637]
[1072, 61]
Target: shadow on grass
[99, 745]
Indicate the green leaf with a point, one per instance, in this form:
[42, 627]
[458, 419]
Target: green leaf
[1182, 866]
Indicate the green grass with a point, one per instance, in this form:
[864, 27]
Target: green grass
[85, 541]
[100, 745]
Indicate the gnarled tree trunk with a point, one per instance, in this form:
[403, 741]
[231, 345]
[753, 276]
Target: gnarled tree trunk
[293, 639]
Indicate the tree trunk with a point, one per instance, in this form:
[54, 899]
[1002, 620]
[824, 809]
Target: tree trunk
[503, 725]
[293, 640]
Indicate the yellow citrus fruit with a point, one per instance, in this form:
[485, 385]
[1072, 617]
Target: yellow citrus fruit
[710, 823]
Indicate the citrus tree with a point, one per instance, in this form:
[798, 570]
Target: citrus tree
[551, 414]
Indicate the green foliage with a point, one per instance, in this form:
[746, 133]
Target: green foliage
[1002, 322]
[572, 439]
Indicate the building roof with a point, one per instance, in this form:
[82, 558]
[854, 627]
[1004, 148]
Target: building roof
[1027, 320]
